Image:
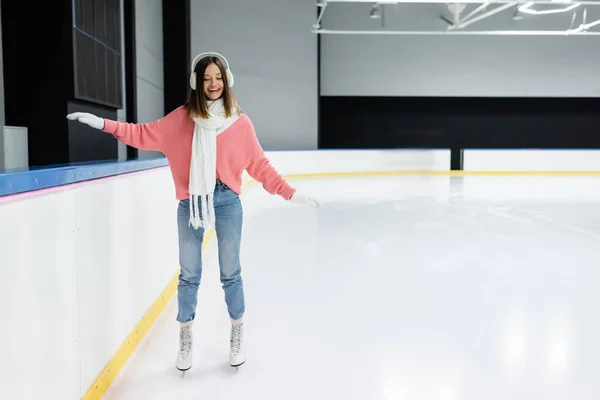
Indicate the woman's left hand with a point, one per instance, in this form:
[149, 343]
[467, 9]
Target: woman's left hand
[299, 198]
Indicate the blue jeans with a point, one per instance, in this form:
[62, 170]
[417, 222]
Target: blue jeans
[228, 226]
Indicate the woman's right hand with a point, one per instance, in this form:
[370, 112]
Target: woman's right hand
[88, 119]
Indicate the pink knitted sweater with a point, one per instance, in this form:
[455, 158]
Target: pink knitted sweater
[238, 149]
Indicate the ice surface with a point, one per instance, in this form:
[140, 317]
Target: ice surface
[400, 287]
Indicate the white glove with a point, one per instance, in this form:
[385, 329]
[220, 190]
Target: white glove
[88, 119]
[299, 198]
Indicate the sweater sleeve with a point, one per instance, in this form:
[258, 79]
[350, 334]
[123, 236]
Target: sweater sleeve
[260, 168]
[146, 136]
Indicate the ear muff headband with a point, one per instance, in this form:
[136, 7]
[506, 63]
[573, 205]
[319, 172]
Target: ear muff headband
[210, 54]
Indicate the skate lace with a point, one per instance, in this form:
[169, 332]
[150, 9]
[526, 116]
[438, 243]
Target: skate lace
[185, 341]
[236, 338]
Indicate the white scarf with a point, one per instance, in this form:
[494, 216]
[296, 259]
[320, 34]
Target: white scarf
[203, 166]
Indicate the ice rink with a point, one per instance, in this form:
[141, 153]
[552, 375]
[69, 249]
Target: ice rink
[404, 287]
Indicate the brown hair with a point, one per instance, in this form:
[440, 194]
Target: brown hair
[196, 106]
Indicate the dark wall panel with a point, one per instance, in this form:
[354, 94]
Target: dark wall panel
[400, 122]
[40, 77]
[37, 75]
[176, 52]
[96, 37]
[86, 143]
[130, 54]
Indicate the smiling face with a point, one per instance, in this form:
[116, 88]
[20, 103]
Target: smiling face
[213, 82]
[214, 86]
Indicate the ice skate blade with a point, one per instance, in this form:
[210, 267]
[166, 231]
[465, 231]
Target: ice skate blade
[183, 371]
[237, 366]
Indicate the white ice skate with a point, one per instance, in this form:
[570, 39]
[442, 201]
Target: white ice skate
[186, 342]
[236, 346]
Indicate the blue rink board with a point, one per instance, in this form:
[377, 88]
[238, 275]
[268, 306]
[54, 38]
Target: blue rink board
[20, 181]
[38, 178]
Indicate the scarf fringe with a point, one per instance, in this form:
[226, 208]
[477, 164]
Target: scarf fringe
[206, 203]
[203, 166]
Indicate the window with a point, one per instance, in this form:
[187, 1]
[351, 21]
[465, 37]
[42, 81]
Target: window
[97, 51]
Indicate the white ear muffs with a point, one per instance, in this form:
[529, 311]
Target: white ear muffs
[200, 57]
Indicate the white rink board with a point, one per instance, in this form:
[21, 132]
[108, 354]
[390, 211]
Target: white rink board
[127, 253]
[323, 161]
[332, 161]
[39, 354]
[81, 264]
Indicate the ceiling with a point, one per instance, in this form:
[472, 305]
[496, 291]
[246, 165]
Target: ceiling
[467, 17]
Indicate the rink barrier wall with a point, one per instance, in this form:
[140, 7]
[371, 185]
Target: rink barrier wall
[36, 179]
[475, 161]
[97, 259]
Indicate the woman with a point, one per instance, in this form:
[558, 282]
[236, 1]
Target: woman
[208, 142]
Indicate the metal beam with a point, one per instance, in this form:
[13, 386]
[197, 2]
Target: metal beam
[479, 9]
[500, 8]
[575, 32]
[454, 28]
[322, 6]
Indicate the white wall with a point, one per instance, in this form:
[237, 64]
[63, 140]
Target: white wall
[273, 56]
[399, 65]
[149, 64]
